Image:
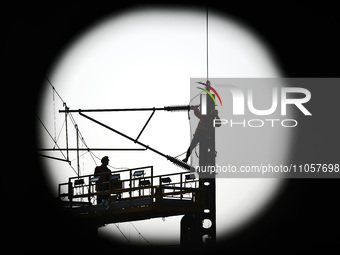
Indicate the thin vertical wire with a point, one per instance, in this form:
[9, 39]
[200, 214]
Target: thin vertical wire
[54, 119]
[207, 30]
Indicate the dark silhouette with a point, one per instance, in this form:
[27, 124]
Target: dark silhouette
[202, 130]
[103, 182]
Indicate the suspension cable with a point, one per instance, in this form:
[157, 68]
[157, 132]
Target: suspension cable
[122, 232]
[207, 35]
[55, 143]
[72, 120]
[54, 119]
[55, 90]
[140, 234]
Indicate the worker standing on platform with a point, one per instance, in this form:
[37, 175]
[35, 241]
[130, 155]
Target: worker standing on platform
[103, 183]
[202, 130]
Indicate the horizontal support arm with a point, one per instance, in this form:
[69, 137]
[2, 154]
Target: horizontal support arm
[92, 149]
[46, 156]
[166, 108]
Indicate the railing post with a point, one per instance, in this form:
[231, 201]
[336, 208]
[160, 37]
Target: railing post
[89, 190]
[181, 185]
[152, 183]
[70, 192]
[130, 192]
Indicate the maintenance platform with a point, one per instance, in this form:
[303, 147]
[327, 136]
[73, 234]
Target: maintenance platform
[133, 194]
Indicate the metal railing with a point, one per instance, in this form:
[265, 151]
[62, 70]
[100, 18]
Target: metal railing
[129, 185]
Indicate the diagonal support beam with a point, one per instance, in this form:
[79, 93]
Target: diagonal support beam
[173, 160]
[147, 122]
[124, 135]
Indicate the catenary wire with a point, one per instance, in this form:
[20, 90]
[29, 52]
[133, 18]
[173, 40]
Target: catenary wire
[140, 234]
[122, 233]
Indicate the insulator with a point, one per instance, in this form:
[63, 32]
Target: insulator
[180, 163]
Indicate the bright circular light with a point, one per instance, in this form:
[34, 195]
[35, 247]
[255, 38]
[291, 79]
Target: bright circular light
[145, 58]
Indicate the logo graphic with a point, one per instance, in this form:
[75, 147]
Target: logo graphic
[276, 106]
[208, 86]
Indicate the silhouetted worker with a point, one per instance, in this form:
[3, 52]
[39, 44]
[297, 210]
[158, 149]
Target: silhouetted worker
[202, 130]
[103, 182]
